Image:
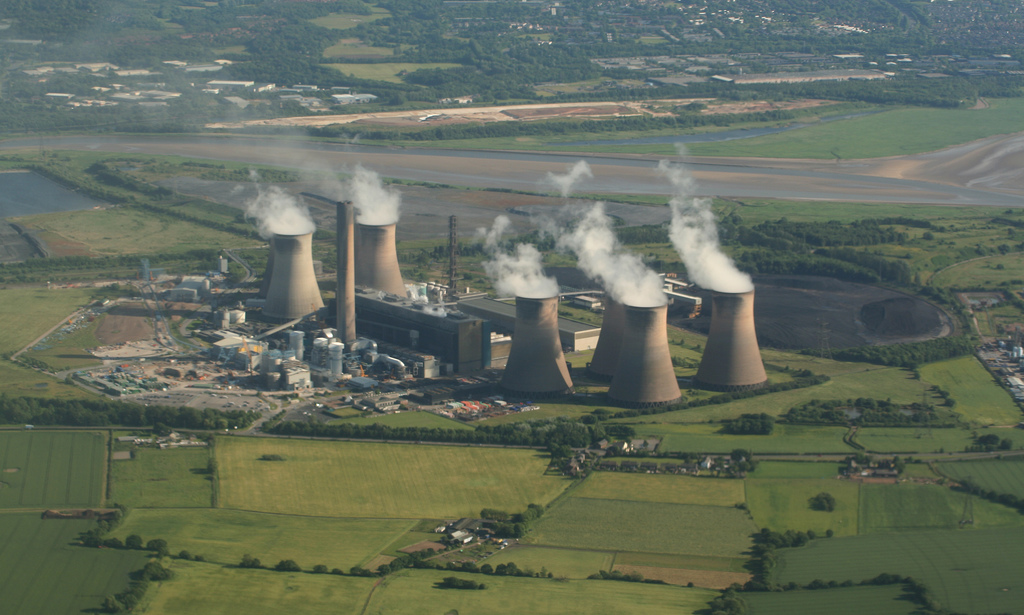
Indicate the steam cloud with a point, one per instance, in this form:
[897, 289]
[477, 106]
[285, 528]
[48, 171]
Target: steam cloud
[276, 212]
[694, 235]
[600, 255]
[375, 203]
[565, 183]
[519, 273]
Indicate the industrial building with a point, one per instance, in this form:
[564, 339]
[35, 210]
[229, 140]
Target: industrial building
[572, 334]
[191, 289]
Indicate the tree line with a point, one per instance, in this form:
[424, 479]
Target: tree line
[103, 412]
[908, 355]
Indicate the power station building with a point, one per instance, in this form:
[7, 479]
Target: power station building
[572, 334]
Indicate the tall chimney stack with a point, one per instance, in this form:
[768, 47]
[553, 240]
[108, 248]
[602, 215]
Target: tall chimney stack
[536, 365]
[377, 259]
[644, 376]
[345, 300]
[293, 291]
[606, 355]
[732, 358]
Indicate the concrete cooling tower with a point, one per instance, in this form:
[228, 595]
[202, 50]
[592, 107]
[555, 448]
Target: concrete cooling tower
[377, 259]
[644, 376]
[536, 366]
[346, 295]
[293, 292]
[606, 354]
[732, 359]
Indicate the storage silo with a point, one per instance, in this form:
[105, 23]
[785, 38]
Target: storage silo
[293, 291]
[732, 358]
[295, 343]
[377, 259]
[644, 376]
[318, 355]
[606, 354]
[336, 358]
[536, 365]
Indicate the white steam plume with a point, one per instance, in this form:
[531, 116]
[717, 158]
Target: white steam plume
[375, 203]
[565, 183]
[276, 212]
[600, 255]
[519, 273]
[695, 236]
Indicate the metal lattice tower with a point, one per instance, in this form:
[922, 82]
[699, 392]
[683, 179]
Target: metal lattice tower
[453, 254]
[824, 348]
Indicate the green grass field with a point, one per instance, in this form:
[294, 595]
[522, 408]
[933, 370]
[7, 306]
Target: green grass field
[214, 589]
[407, 419]
[224, 536]
[69, 352]
[665, 488]
[877, 600]
[158, 478]
[355, 479]
[648, 527]
[27, 312]
[979, 398]
[18, 381]
[412, 592]
[382, 71]
[908, 507]
[42, 573]
[705, 438]
[970, 571]
[344, 21]
[890, 133]
[795, 469]
[912, 439]
[570, 563]
[984, 272]
[999, 475]
[782, 504]
[51, 469]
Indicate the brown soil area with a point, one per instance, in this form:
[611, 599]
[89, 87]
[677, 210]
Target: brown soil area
[788, 311]
[128, 322]
[757, 106]
[58, 245]
[712, 579]
[423, 546]
[11, 470]
[547, 113]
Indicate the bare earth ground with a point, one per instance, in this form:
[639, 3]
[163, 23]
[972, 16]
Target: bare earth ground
[128, 322]
[423, 546]
[712, 579]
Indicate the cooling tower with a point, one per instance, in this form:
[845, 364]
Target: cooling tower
[606, 354]
[732, 359]
[293, 291]
[536, 365]
[346, 296]
[268, 272]
[644, 376]
[377, 259]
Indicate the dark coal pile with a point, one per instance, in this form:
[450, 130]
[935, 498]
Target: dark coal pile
[789, 312]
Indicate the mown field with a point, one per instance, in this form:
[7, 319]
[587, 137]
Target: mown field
[970, 571]
[912, 439]
[980, 399]
[999, 475]
[795, 469]
[43, 573]
[707, 438]
[877, 600]
[782, 504]
[908, 507]
[570, 563]
[985, 272]
[51, 469]
[224, 536]
[412, 592]
[27, 312]
[665, 488]
[646, 527]
[19, 381]
[211, 588]
[407, 419]
[356, 479]
[157, 478]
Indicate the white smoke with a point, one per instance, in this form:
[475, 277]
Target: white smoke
[375, 203]
[565, 183]
[694, 235]
[276, 212]
[600, 255]
[518, 273]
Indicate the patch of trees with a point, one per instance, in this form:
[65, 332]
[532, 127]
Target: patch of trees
[990, 442]
[750, 424]
[823, 501]
[517, 525]
[783, 263]
[868, 232]
[802, 379]
[457, 583]
[865, 412]
[53, 268]
[618, 575]
[130, 598]
[765, 544]
[102, 412]
[1006, 499]
[541, 434]
[272, 457]
[908, 355]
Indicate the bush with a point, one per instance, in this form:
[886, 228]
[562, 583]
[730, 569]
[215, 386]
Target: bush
[823, 501]
[287, 565]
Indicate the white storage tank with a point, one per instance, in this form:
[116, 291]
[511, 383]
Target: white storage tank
[295, 343]
[318, 356]
[336, 354]
[237, 316]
